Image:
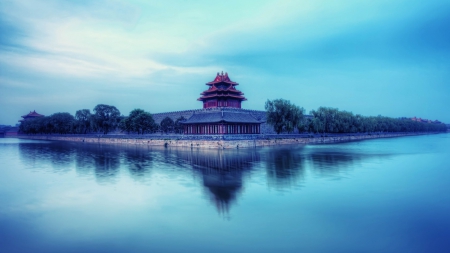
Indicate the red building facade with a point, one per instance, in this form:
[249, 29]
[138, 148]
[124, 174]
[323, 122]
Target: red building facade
[222, 113]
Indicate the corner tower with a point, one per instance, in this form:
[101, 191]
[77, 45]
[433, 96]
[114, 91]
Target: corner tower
[222, 93]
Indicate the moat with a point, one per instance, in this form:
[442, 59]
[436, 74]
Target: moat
[379, 195]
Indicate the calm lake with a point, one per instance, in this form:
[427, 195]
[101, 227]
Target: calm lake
[382, 195]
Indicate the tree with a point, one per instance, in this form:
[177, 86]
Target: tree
[125, 125]
[296, 118]
[83, 121]
[144, 123]
[178, 127]
[106, 118]
[304, 125]
[138, 121]
[283, 115]
[167, 125]
[61, 122]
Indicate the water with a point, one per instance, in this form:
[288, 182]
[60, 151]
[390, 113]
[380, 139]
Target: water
[384, 195]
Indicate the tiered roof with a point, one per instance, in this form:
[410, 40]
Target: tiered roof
[222, 78]
[222, 87]
[31, 115]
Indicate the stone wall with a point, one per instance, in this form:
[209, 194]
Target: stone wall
[218, 143]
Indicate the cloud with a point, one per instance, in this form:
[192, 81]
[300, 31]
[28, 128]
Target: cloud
[139, 53]
[321, 36]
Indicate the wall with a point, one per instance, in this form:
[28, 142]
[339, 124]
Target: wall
[214, 143]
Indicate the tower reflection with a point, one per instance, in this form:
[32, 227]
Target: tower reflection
[222, 172]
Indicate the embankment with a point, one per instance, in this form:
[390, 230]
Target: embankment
[221, 142]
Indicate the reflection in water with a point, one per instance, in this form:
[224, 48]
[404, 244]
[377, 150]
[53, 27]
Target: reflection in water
[107, 164]
[139, 161]
[332, 162]
[58, 156]
[284, 166]
[223, 172]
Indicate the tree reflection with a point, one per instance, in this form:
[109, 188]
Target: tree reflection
[107, 164]
[37, 155]
[139, 161]
[333, 160]
[327, 164]
[285, 166]
[101, 160]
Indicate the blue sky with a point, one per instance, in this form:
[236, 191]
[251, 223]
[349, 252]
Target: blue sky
[387, 58]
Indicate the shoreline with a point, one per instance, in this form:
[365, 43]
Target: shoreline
[218, 142]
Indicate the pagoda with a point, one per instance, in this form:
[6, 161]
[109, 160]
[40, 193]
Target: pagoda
[222, 92]
[222, 113]
[31, 115]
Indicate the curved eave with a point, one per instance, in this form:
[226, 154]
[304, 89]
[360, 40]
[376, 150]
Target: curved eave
[216, 82]
[236, 92]
[221, 96]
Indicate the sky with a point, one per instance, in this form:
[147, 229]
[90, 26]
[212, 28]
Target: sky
[389, 58]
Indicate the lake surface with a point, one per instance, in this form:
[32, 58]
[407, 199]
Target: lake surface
[383, 195]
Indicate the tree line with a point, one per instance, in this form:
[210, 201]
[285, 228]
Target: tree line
[281, 114]
[286, 117]
[104, 119]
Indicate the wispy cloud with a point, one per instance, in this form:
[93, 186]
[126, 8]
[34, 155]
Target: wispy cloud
[112, 45]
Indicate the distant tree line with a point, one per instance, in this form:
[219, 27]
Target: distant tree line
[285, 117]
[104, 119]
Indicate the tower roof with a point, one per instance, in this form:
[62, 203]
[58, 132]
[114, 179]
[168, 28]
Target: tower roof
[222, 78]
[32, 114]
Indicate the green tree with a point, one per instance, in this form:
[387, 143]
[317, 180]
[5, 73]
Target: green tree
[167, 125]
[138, 121]
[144, 123]
[283, 115]
[83, 121]
[304, 125]
[125, 125]
[106, 118]
[178, 126]
[61, 122]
